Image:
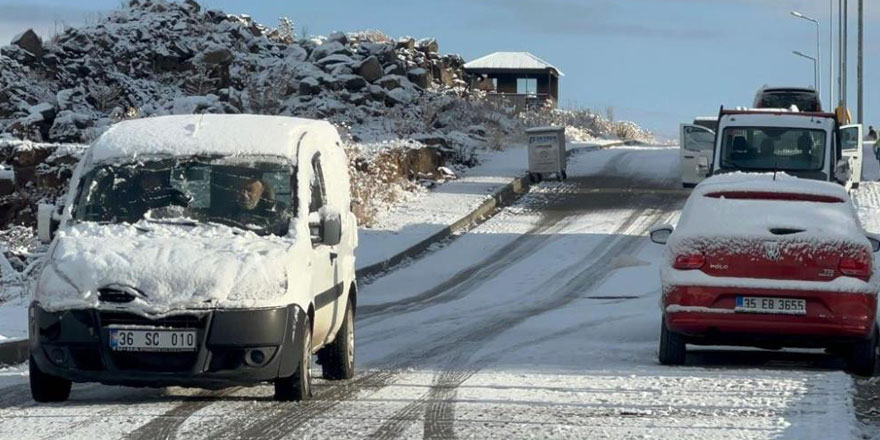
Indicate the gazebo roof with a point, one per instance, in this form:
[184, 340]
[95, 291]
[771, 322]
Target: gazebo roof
[511, 61]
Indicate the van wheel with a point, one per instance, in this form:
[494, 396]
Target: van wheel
[299, 385]
[673, 350]
[337, 358]
[45, 387]
[863, 357]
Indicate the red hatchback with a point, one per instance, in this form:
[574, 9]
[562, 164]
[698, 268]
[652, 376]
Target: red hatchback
[769, 261]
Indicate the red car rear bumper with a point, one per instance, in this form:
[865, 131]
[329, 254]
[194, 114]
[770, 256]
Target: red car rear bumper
[708, 313]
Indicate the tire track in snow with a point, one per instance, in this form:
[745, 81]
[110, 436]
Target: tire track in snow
[166, 425]
[289, 417]
[437, 404]
[473, 276]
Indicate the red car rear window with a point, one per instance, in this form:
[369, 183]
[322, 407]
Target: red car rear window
[762, 195]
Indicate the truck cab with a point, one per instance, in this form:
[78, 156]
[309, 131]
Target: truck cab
[809, 145]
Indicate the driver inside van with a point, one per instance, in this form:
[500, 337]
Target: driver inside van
[255, 195]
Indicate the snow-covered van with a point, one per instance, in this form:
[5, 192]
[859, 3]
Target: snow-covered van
[809, 145]
[199, 250]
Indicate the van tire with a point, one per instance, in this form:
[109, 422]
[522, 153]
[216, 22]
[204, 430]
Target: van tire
[298, 386]
[46, 387]
[673, 350]
[863, 357]
[337, 358]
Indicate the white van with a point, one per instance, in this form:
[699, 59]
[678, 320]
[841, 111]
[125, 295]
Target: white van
[809, 145]
[696, 144]
[199, 250]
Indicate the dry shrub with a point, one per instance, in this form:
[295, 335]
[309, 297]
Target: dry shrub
[377, 181]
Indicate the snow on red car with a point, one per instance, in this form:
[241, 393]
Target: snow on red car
[769, 261]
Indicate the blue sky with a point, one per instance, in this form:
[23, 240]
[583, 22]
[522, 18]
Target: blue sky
[657, 62]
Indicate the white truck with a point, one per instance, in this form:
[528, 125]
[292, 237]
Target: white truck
[810, 145]
[199, 250]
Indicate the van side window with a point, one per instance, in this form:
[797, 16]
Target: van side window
[318, 189]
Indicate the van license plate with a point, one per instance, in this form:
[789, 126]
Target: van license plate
[762, 304]
[152, 340]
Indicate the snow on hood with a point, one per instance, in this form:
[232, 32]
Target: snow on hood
[170, 267]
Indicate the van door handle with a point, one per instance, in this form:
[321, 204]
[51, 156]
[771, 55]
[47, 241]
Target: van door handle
[689, 157]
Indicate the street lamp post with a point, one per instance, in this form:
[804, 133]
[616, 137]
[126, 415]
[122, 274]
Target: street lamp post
[818, 59]
[815, 66]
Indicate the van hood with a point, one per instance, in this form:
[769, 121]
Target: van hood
[154, 269]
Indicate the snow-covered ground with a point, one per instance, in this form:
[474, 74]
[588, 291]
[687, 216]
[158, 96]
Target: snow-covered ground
[424, 214]
[542, 322]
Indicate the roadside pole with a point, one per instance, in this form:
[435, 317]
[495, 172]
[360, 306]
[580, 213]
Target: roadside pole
[861, 64]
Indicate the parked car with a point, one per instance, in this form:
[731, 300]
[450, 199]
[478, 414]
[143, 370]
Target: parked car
[199, 250]
[805, 144]
[696, 144]
[804, 98]
[769, 260]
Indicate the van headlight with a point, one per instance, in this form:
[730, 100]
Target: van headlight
[51, 286]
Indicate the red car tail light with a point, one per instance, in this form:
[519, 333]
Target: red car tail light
[854, 267]
[689, 262]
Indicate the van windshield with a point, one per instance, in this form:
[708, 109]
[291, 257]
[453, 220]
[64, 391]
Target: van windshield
[257, 196]
[773, 149]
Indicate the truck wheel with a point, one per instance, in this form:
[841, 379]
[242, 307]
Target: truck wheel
[45, 387]
[299, 385]
[532, 178]
[564, 175]
[863, 357]
[337, 358]
[673, 350]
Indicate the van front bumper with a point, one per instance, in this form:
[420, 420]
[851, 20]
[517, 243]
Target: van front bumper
[74, 344]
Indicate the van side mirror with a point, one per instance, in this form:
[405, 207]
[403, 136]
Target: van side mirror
[325, 228]
[660, 234]
[47, 222]
[331, 233]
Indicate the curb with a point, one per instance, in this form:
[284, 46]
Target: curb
[502, 197]
[16, 352]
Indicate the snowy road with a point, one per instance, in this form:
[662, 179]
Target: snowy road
[542, 322]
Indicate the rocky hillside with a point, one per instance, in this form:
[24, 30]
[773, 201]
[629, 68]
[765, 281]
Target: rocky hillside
[155, 57]
[404, 108]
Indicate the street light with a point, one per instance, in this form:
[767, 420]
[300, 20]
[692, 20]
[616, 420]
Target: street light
[815, 65]
[818, 59]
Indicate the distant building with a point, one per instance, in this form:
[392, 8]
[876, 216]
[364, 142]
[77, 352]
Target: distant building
[517, 77]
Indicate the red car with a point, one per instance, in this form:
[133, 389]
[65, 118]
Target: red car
[769, 261]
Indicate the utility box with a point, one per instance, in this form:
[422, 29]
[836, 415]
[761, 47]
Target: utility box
[546, 153]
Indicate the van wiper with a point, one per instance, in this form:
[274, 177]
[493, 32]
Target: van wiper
[726, 164]
[173, 221]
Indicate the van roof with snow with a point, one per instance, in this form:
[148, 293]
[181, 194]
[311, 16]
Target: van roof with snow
[193, 135]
